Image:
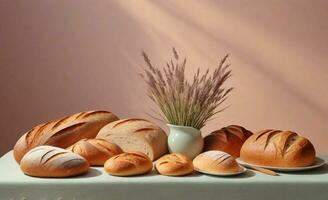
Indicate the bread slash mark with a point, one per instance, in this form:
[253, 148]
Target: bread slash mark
[66, 130]
[45, 155]
[144, 129]
[52, 157]
[36, 133]
[29, 135]
[128, 120]
[227, 156]
[95, 113]
[289, 142]
[103, 146]
[262, 133]
[60, 122]
[80, 115]
[270, 136]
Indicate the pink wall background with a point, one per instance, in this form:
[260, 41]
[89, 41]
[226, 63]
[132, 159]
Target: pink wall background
[65, 56]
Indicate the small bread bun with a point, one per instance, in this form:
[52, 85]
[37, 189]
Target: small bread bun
[128, 164]
[216, 162]
[174, 164]
[49, 161]
[96, 151]
[278, 148]
[228, 139]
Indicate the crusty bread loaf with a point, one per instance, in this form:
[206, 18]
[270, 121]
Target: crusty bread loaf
[95, 151]
[174, 164]
[228, 139]
[278, 148]
[49, 161]
[63, 132]
[128, 164]
[136, 135]
[216, 162]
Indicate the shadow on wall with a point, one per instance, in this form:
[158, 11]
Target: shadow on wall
[285, 68]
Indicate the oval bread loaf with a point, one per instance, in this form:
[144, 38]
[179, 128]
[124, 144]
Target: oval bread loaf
[278, 148]
[128, 164]
[136, 135]
[174, 164]
[228, 139]
[95, 151]
[216, 162]
[48, 161]
[63, 132]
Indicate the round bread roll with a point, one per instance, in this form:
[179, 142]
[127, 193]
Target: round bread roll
[228, 139]
[128, 164]
[49, 161]
[136, 135]
[278, 149]
[63, 132]
[216, 162]
[96, 151]
[174, 164]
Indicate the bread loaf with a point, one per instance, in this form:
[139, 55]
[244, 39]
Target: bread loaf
[95, 151]
[228, 139]
[278, 149]
[48, 161]
[136, 135]
[63, 132]
[128, 164]
[216, 162]
[174, 164]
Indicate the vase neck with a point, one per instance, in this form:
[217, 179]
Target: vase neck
[184, 129]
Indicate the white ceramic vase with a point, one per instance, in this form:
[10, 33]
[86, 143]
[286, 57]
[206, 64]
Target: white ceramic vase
[186, 140]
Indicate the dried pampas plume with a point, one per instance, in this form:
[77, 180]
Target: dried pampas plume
[183, 102]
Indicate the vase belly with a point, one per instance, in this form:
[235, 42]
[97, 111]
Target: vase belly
[185, 140]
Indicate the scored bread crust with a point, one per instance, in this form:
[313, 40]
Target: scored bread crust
[216, 162]
[228, 139]
[136, 135]
[174, 164]
[128, 164]
[95, 151]
[63, 132]
[278, 148]
[49, 161]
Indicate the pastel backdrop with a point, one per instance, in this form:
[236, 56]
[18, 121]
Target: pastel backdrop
[65, 56]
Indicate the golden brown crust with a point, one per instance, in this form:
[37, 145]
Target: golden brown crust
[216, 162]
[63, 132]
[128, 164]
[136, 135]
[278, 148]
[48, 161]
[228, 139]
[95, 151]
[174, 164]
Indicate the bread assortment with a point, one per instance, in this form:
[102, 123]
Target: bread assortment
[136, 135]
[278, 148]
[127, 147]
[228, 139]
[216, 162]
[95, 151]
[174, 164]
[49, 161]
[63, 132]
[128, 164]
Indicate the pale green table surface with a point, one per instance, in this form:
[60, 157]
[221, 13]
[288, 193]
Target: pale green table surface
[98, 185]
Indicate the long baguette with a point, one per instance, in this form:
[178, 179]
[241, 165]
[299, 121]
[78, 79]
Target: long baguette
[63, 132]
